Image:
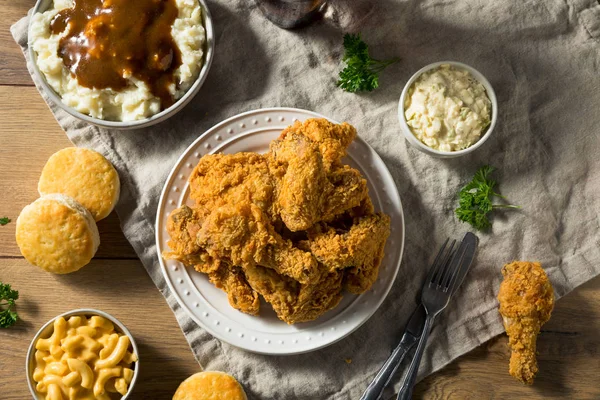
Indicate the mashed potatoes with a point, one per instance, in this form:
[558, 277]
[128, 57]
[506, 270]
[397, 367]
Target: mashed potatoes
[136, 101]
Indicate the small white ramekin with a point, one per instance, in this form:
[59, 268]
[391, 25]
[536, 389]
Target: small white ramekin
[45, 331]
[209, 49]
[412, 139]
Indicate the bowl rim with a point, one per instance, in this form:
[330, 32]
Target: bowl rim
[43, 5]
[439, 153]
[86, 312]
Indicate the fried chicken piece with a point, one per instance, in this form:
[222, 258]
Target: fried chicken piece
[240, 294]
[183, 226]
[248, 228]
[242, 234]
[332, 139]
[526, 301]
[302, 184]
[220, 179]
[359, 250]
[308, 191]
[348, 190]
[292, 301]
[364, 208]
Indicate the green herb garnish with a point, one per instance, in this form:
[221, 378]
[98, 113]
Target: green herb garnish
[361, 72]
[8, 296]
[4, 221]
[475, 199]
[464, 112]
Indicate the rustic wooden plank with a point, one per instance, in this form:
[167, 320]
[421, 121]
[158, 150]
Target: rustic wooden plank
[28, 136]
[568, 349]
[12, 64]
[120, 287]
[568, 346]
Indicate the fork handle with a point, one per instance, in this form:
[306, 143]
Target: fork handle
[406, 389]
[387, 371]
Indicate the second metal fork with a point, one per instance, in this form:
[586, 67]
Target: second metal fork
[436, 294]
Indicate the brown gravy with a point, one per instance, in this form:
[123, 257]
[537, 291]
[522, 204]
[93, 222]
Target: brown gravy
[108, 39]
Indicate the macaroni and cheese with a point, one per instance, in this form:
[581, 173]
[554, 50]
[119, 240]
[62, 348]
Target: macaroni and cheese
[84, 358]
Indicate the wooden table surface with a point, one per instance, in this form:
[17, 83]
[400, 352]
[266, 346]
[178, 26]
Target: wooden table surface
[116, 282]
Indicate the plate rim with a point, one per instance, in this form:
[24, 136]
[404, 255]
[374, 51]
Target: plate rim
[163, 267]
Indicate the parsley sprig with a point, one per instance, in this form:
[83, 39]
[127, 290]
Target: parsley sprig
[8, 297]
[475, 199]
[4, 220]
[361, 72]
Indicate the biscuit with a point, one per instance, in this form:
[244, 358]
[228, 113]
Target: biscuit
[210, 385]
[57, 234]
[84, 175]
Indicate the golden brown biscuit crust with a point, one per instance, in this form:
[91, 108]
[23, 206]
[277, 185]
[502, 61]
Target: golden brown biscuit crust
[56, 235]
[210, 385]
[86, 176]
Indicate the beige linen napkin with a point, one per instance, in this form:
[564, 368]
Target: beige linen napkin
[542, 58]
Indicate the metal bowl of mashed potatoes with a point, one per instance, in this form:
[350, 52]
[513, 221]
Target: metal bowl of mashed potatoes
[447, 109]
[139, 110]
[48, 328]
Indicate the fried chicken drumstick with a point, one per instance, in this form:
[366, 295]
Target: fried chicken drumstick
[526, 301]
[294, 226]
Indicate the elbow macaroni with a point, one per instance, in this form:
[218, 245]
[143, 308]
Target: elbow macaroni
[83, 359]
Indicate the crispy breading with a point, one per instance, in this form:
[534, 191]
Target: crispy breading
[347, 190]
[303, 181]
[310, 191]
[358, 251]
[220, 179]
[526, 301]
[183, 226]
[332, 139]
[292, 301]
[243, 234]
[240, 294]
[294, 226]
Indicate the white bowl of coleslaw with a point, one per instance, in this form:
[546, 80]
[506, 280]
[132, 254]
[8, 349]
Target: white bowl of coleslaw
[447, 109]
[47, 331]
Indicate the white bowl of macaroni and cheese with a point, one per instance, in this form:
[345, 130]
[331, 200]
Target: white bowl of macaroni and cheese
[82, 354]
[447, 109]
[121, 64]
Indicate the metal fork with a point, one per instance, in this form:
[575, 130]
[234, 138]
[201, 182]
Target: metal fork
[436, 294]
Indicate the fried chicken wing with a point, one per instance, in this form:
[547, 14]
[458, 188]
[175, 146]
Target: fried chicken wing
[358, 251]
[348, 190]
[302, 182]
[312, 187]
[526, 301]
[332, 139]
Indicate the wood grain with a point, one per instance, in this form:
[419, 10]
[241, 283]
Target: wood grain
[13, 70]
[120, 287]
[29, 135]
[117, 283]
[568, 355]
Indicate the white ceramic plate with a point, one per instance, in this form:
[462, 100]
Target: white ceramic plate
[266, 334]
